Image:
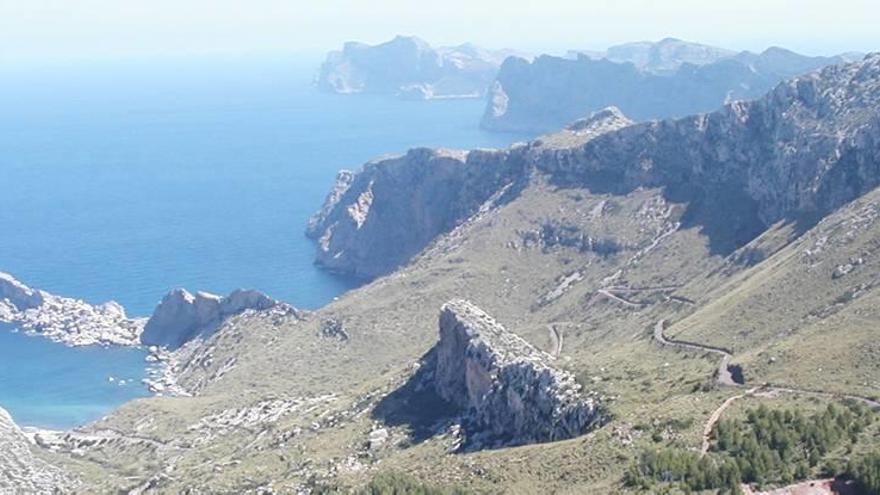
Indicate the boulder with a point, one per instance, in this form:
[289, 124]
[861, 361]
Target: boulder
[510, 392]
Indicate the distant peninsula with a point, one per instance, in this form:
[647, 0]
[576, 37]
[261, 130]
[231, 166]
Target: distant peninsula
[410, 68]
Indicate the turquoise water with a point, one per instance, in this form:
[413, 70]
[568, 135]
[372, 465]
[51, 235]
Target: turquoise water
[122, 181]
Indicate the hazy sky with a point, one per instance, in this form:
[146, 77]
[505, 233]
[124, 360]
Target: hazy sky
[34, 30]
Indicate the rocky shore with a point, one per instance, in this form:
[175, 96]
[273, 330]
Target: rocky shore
[66, 320]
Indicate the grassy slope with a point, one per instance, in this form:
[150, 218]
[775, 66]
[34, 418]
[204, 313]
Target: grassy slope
[657, 395]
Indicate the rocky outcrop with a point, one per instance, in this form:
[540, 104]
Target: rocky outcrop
[419, 195]
[20, 470]
[809, 146]
[410, 68]
[69, 321]
[181, 316]
[377, 218]
[510, 391]
[647, 81]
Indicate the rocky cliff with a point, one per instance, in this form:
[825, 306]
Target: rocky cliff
[807, 147]
[65, 320]
[408, 67]
[511, 392]
[378, 217]
[181, 316]
[647, 81]
[20, 470]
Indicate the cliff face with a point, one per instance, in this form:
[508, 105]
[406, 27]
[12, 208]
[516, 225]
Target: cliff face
[408, 67]
[652, 82]
[806, 148]
[182, 316]
[375, 219]
[388, 211]
[511, 391]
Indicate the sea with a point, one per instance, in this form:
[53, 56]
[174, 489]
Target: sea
[120, 180]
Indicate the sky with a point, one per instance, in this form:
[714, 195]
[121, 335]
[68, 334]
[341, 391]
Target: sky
[33, 31]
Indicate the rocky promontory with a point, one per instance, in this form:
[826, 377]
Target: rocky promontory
[510, 391]
[181, 316]
[409, 67]
[66, 320]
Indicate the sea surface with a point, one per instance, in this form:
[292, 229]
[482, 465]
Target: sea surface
[124, 180]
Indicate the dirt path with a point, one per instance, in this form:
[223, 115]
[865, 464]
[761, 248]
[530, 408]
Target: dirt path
[716, 416]
[725, 377]
[615, 297]
[723, 374]
[556, 340]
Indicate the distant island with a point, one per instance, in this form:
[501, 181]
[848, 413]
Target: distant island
[409, 67]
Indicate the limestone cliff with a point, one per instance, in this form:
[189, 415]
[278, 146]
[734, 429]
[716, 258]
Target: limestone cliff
[378, 217]
[807, 147]
[511, 392]
[182, 316]
[647, 81]
[410, 68]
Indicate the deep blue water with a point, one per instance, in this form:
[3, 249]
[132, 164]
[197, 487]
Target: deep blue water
[122, 181]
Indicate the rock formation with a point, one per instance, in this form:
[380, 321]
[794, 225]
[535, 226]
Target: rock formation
[511, 392]
[410, 68]
[667, 79]
[20, 470]
[182, 316]
[423, 193]
[65, 320]
[804, 149]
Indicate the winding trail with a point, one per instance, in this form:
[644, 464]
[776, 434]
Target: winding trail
[716, 416]
[724, 376]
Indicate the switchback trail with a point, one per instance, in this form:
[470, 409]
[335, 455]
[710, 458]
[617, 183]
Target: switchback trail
[725, 377]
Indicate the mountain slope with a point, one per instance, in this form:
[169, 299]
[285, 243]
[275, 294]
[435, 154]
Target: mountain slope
[599, 238]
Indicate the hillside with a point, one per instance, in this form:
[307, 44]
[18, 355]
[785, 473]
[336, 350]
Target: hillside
[748, 232]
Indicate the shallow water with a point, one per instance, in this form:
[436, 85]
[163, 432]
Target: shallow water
[122, 181]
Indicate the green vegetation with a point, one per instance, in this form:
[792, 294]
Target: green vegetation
[865, 471]
[767, 447]
[401, 484]
[393, 483]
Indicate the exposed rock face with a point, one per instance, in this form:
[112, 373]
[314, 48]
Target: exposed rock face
[391, 208]
[182, 316]
[510, 390]
[410, 68]
[809, 146]
[65, 320]
[667, 79]
[375, 219]
[20, 470]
